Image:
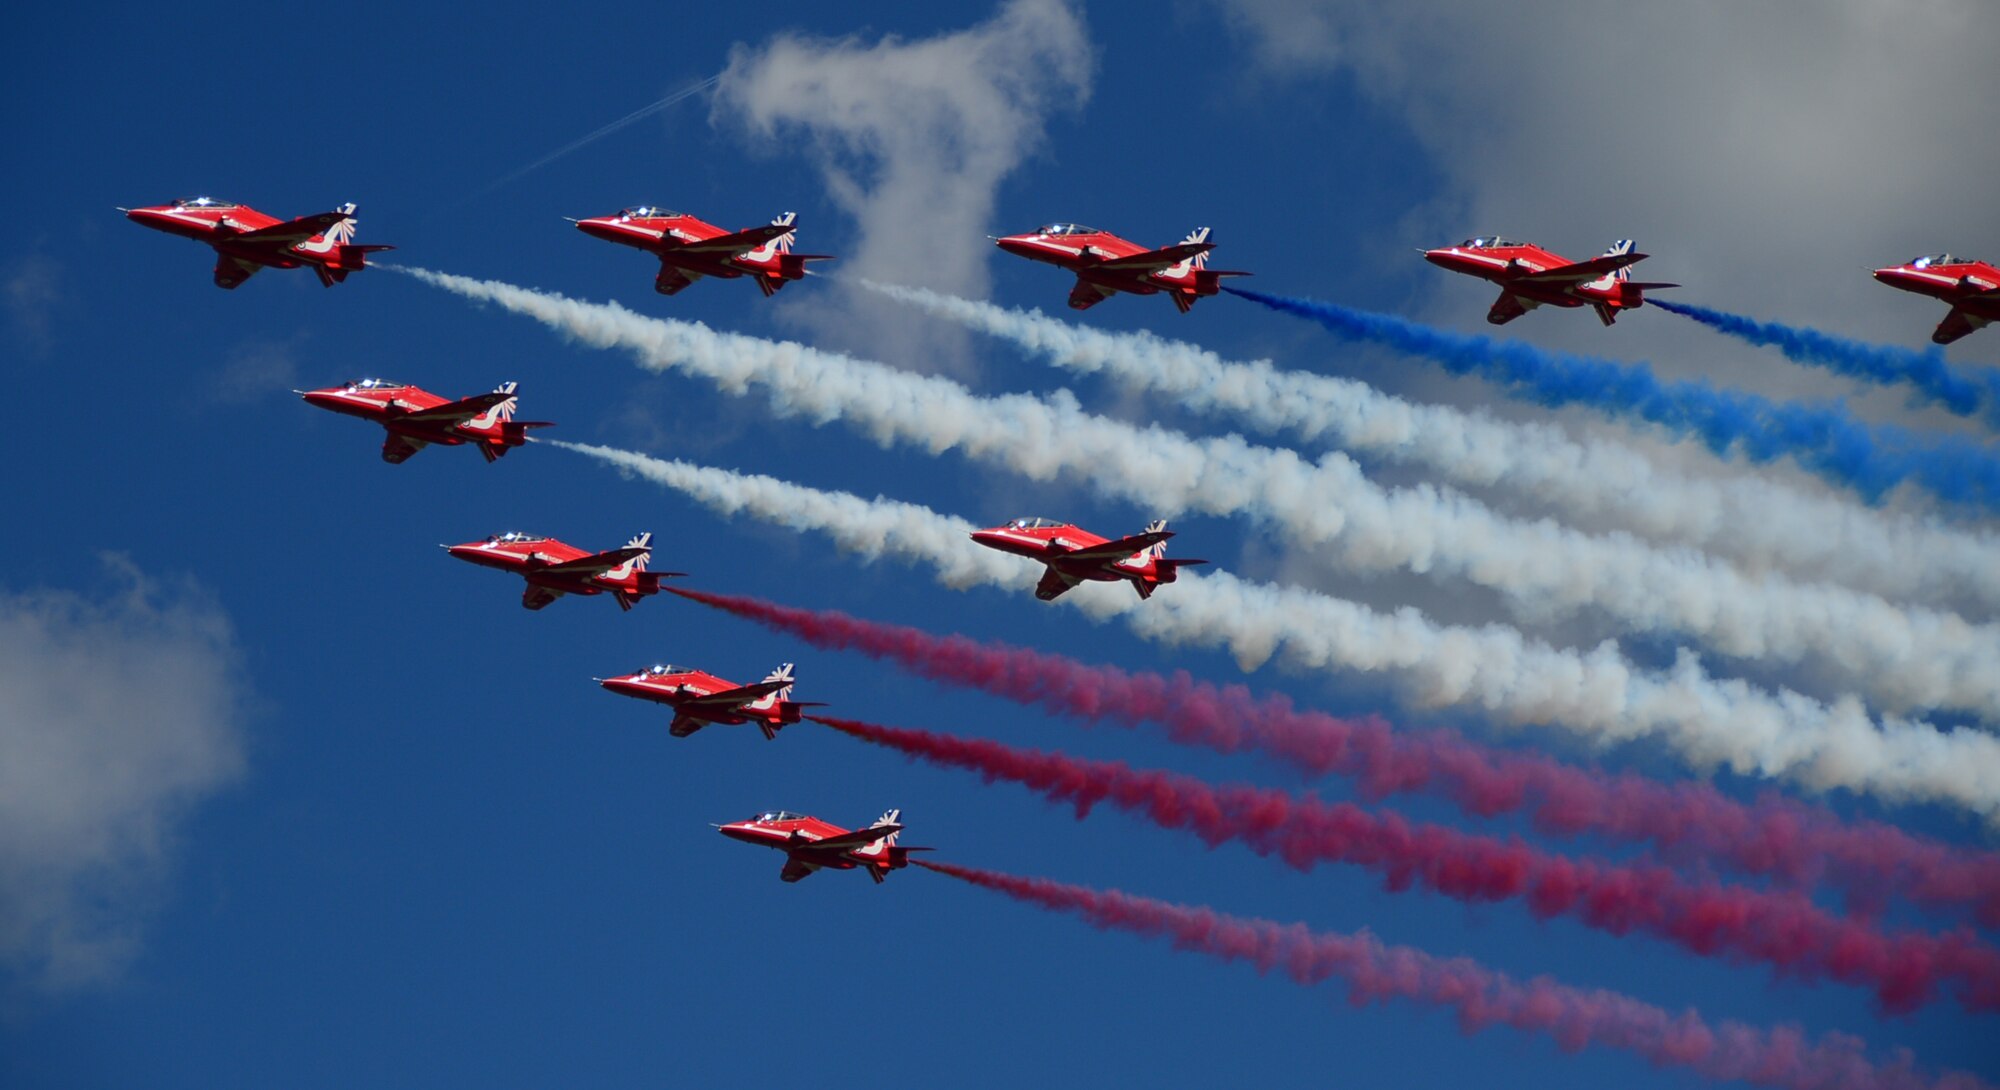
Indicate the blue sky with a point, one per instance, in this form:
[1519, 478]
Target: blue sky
[344, 813]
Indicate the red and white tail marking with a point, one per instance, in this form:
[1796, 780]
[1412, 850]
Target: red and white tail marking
[636, 564]
[499, 413]
[773, 699]
[1188, 265]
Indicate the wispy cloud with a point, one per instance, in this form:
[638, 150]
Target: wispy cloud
[118, 713]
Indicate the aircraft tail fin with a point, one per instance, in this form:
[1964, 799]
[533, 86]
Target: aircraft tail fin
[782, 673]
[1619, 249]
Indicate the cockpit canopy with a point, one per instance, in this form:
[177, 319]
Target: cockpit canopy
[664, 669]
[648, 212]
[1931, 260]
[1067, 229]
[778, 815]
[203, 202]
[1034, 524]
[514, 537]
[375, 384]
[1488, 242]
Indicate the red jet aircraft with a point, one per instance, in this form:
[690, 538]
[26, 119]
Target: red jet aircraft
[416, 418]
[554, 569]
[1530, 276]
[1971, 287]
[699, 699]
[1105, 264]
[689, 249]
[809, 843]
[1073, 555]
[246, 240]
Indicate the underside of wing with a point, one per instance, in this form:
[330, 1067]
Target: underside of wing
[1054, 585]
[796, 869]
[673, 278]
[1580, 271]
[684, 725]
[396, 449]
[740, 242]
[1086, 295]
[1155, 260]
[1957, 324]
[281, 235]
[230, 272]
[536, 596]
[1509, 307]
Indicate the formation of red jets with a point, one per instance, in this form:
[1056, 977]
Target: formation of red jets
[246, 240]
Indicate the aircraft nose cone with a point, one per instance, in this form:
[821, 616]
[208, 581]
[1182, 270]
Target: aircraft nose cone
[147, 216]
[1889, 275]
[1019, 245]
[600, 227]
[986, 537]
[468, 551]
[323, 398]
[1441, 257]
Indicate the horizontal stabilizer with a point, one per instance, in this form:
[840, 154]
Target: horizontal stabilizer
[1158, 259]
[291, 233]
[739, 242]
[1582, 270]
[859, 838]
[1649, 285]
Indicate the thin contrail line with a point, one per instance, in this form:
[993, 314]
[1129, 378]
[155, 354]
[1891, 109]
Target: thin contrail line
[597, 134]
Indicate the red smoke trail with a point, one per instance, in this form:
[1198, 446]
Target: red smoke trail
[1782, 929]
[1777, 838]
[1575, 1017]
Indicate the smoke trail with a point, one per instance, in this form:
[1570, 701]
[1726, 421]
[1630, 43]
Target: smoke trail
[1825, 439]
[1964, 392]
[1687, 822]
[1761, 523]
[1598, 694]
[1783, 930]
[1573, 1017]
[1903, 659]
[595, 135]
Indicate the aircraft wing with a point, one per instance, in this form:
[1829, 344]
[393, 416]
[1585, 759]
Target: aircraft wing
[859, 838]
[730, 698]
[1578, 272]
[1053, 585]
[1086, 295]
[1119, 549]
[740, 242]
[673, 278]
[1155, 260]
[796, 869]
[396, 449]
[229, 272]
[458, 411]
[1509, 307]
[593, 565]
[280, 235]
[535, 597]
[1957, 324]
[684, 725]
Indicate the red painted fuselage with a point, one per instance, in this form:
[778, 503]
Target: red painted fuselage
[690, 249]
[810, 844]
[1105, 264]
[553, 568]
[700, 698]
[1073, 555]
[1530, 276]
[416, 418]
[1971, 288]
[246, 240]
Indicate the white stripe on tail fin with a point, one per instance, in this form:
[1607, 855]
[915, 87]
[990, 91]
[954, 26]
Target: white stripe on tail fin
[882, 846]
[637, 563]
[783, 243]
[1198, 261]
[500, 412]
[1621, 247]
[342, 233]
[782, 673]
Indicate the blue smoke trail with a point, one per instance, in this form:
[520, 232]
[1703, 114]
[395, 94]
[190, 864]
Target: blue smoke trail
[1965, 392]
[1824, 439]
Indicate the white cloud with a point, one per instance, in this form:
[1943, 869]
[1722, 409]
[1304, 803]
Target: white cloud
[913, 139]
[117, 715]
[33, 290]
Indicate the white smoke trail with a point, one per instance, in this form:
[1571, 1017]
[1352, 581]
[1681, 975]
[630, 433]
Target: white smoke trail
[1903, 659]
[1761, 524]
[595, 135]
[1598, 695]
